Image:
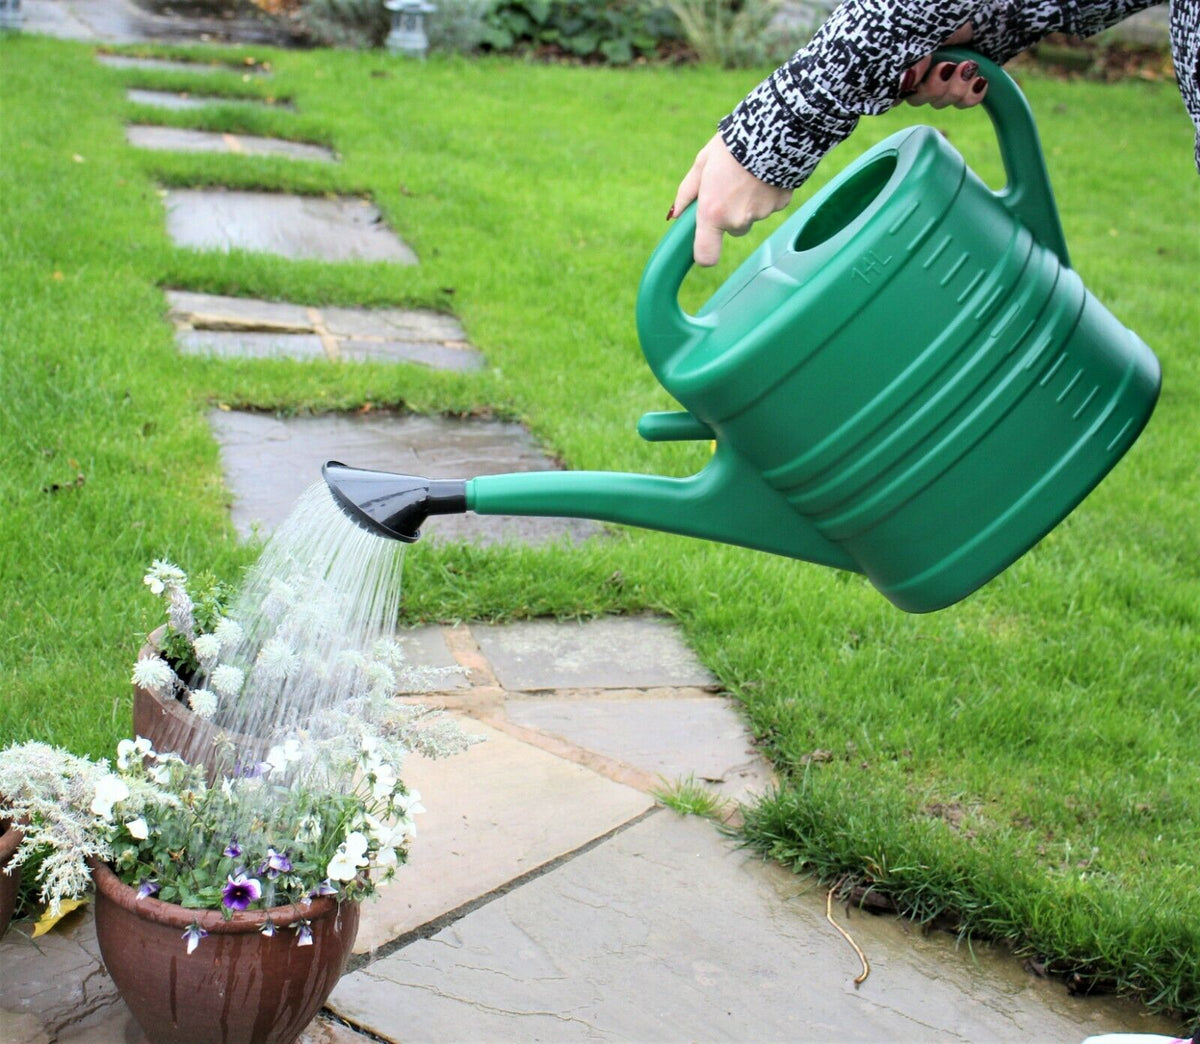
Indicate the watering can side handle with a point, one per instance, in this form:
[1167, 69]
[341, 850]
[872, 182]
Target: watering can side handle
[1028, 193]
[663, 326]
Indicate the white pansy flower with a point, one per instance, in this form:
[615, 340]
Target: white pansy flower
[349, 858]
[137, 829]
[203, 703]
[153, 674]
[308, 830]
[385, 781]
[109, 790]
[386, 857]
[207, 647]
[160, 774]
[129, 751]
[282, 755]
[229, 633]
[227, 679]
[410, 803]
[161, 574]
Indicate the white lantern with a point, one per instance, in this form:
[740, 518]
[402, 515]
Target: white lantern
[408, 26]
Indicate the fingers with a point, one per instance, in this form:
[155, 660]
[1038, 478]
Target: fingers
[689, 188]
[948, 84]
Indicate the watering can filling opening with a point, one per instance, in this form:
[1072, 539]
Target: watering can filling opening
[849, 200]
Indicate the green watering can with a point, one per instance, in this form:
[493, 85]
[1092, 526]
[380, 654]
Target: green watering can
[907, 380]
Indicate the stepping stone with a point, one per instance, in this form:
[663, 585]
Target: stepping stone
[341, 229]
[698, 739]
[128, 61]
[495, 812]
[181, 139]
[608, 653]
[663, 932]
[269, 461]
[171, 100]
[233, 326]
[426, 647]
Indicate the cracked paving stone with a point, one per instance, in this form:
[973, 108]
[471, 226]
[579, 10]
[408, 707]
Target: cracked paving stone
[495, 812]
[183, 139]
[269, 461]
[701, 738]
[342, 229]
[665, 932]
[608, 653]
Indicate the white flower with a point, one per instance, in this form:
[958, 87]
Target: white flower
[129, 751]
[410, 803]
[203, 703]
[308, 830]
[229, 633]
[163, 573]
[153, 674]
[276, 659]
[350, 856]
[137, 829]
[160, 774]
[109, 790]
[386, 857]
[385, 781]
[280, 756]
[227, 679]
[207, 647]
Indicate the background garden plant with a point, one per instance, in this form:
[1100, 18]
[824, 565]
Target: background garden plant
[1022, 763]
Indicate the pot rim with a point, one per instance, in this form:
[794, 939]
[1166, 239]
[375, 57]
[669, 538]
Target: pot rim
[180, 712]
[212, 921]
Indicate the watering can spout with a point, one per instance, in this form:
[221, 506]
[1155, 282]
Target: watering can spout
[727, 502]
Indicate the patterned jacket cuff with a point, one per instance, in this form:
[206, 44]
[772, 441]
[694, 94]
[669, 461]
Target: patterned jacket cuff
[779, 143]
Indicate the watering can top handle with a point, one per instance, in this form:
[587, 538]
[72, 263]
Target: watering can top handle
[662, 323]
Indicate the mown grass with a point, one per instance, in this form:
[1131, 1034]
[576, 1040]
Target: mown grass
[1023, 762]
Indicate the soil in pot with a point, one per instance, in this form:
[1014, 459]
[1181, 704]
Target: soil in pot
[238, 986]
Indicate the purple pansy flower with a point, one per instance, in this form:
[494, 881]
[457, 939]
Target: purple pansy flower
[277, 863]
[304, 931]
[268, 928]
[233, 849]
[147, 888]
[239, 892]
[193, 936]
[324, 888]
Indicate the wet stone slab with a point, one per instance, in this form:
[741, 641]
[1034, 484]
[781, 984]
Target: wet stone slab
[128, 61]
[699, 739]
[664, 932]
[174, 101]
[607, 653]
[425, 647]
[269, 461]
[181, 139]
[232, 326]
[343, 229]
[494, 812]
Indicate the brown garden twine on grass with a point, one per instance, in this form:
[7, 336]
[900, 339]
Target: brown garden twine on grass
[866, 965]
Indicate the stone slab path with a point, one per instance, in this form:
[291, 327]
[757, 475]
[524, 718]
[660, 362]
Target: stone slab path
[341, 229]
[548, 896]
[125, 22]
[269, 461]
[209, 324]
[183, 139]
[129, 61]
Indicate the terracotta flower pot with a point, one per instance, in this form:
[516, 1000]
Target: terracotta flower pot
[171, 726]
[238, 986]
[10, 837]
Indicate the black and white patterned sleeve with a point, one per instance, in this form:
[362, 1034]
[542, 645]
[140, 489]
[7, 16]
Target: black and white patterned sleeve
[852, 67]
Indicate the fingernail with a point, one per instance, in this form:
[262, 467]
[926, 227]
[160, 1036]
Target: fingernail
[979, 86]
[908, 81]
[947, 70]
[671, 212]
[968, 69]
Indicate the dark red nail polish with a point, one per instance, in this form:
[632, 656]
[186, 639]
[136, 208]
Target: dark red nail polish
[947, 70]
[968, 70]
[908, 81]
[671, 212]
[979, 86]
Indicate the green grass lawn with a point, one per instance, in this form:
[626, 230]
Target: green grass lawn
[1024, 762]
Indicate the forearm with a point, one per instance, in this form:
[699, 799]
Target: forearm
[854, 64]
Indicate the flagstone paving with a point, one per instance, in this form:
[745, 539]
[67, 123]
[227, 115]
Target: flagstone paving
[548, 898]
[183, 139]
[269, 461]
[343, 229]
[174, 100]
[129, 61]
[124, 21]
[209, 324]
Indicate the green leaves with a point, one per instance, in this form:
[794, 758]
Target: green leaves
[616, 32]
